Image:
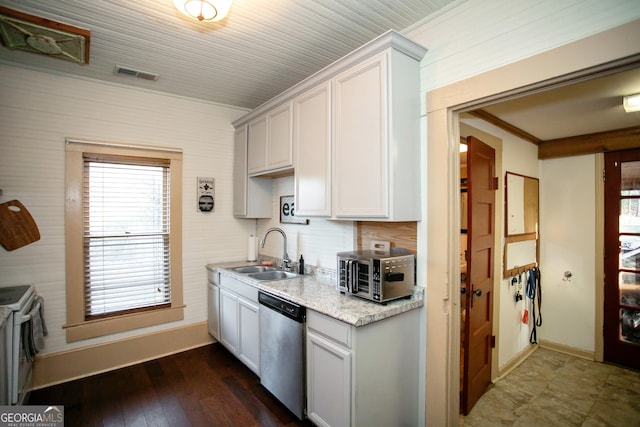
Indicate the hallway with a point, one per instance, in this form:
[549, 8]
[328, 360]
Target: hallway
[555, 389]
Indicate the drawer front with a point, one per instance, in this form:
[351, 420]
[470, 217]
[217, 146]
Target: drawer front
[331, 328]
[239, 288]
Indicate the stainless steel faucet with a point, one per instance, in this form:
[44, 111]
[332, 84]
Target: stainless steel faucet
[286, 261]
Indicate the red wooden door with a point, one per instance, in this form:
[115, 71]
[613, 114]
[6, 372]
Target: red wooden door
[622, 258]
[481, 184]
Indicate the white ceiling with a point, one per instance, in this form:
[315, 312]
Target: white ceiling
[266, 46]
[262, 48]
[578, 109]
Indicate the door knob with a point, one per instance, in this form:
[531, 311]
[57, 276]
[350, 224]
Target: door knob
[478, 292]
[463, 290]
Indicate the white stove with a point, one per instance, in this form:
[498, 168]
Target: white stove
[19, 299]
[15, 297]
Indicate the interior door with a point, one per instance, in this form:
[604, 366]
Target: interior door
[622, 258]
[477, 342]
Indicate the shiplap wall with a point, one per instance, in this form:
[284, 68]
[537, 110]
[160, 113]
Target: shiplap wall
[480, 35]
[39, 110]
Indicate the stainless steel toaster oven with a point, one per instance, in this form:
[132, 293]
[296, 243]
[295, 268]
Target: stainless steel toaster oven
[378, 276]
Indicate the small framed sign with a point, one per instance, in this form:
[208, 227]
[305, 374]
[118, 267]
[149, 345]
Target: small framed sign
[287, 211]
[206, 194]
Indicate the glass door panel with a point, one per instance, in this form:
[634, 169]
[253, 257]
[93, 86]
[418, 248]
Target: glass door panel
[629, 277]
[622, 258]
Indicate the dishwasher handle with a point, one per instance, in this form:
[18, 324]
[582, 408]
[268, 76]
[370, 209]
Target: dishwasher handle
[287, 308]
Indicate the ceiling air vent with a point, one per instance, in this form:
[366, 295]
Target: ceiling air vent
[124, 71]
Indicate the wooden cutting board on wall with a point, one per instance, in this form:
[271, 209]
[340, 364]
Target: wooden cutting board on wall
[17, 227]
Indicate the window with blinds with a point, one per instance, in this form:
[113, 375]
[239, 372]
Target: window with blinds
[126, 229]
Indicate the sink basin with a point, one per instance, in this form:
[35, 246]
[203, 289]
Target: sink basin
[273, 275]
[253, 269]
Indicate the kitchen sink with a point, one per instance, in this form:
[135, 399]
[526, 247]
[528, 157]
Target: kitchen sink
[273, 275]
[253, 269]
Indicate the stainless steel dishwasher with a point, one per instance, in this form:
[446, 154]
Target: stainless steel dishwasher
[282, 351]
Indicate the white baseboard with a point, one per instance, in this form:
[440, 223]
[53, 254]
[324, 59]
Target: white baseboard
[572, 351]
[56, 368]
[516, 361]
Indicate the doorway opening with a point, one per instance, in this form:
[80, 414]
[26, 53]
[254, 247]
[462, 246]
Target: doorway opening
[458, 116]
[608, 52]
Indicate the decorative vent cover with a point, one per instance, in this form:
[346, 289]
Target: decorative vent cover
[31, 33]
[125, 71]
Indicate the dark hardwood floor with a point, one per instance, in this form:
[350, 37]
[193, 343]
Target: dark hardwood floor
[206, 386]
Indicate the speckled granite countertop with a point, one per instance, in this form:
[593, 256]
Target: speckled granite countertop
[320, 294]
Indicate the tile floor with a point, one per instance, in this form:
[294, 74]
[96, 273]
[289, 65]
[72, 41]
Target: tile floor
[555, 389]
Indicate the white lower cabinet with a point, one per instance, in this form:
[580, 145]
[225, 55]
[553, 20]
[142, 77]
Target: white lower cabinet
[249, 334]
[364, 376]
[328, 382]
[240, 321]
[213, 305]
[229, 320]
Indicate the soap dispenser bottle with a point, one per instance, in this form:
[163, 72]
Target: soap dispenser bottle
[301, 265]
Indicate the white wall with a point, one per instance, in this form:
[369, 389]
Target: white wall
[39, 110]
[480, 35]
[567, 221]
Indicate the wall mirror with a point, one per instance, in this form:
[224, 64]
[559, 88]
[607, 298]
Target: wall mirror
[521, 224]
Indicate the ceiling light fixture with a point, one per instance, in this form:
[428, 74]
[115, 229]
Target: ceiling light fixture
[204, 10]
[631, 103]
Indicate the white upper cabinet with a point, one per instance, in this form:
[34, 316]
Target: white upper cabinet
[257, 145]
[376, 139]
[270, 141]
[355, 128]
[251, 196]
[361, 167]
[312, 142]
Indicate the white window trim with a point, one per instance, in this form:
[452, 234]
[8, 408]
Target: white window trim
[77, 328]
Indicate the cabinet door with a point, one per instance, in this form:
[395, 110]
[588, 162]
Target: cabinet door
[328, 382]
[257, 145]
[360, 141]
[213, 304]
[279, 139]
[240, 172]
[229, 320]
[251, 196]
[249, 334]
[312, 142]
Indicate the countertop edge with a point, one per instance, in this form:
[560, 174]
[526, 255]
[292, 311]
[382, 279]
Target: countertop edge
[327, 299]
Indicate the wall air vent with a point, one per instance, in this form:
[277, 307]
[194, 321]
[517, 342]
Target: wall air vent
[125, 71]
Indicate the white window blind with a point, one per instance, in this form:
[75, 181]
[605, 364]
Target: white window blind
[126, 225]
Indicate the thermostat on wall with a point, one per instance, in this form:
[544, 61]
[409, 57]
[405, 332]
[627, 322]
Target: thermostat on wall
[206, 194]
